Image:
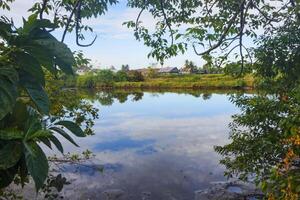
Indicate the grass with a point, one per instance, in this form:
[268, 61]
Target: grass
[195, 81]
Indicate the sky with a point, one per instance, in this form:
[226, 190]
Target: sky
[115, 44]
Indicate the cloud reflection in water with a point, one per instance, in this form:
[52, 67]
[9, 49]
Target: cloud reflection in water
[163, 148]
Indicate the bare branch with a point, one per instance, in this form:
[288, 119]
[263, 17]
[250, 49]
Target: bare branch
[44, 4]
[78, 19]
[249, 55]
[139, 16]
[227, 54]
[167, 21]
[230, 43]
[242, 25]
[69, 20]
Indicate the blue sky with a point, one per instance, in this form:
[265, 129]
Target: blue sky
[115, 44]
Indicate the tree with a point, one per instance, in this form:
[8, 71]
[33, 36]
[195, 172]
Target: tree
[125, 68]
[81, 62]
[121, 76]
[135, 76]
[268, 142]
[216, 26]
[27, 53]
[104, 77]
[151, 72]
[189, 66]
[234, 69]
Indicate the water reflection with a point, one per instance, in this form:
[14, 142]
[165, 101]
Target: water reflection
[155, 143]
[121, 144]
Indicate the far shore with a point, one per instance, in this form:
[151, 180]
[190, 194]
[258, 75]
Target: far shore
[193, 81]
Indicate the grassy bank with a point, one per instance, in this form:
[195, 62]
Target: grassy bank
[197, 81]
[135, 80]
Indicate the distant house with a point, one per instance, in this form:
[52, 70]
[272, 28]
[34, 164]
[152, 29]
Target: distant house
[82, 70]
[168, 70]
[187, 70]
[143, 71]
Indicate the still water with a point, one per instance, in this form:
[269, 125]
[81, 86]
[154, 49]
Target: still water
[153, 144]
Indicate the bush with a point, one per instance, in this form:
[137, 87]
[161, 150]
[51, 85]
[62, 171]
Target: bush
[121, 76]
[104, 77]
[135, 76]
[234, 69]
[86, 80]
[151, 73]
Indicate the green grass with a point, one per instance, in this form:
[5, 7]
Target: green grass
[195, 81]
[189, 81]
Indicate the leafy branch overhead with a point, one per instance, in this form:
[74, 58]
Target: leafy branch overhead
[215, 26]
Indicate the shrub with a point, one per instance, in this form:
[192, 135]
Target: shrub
[121, 76]
[86, 80]
[135, 76]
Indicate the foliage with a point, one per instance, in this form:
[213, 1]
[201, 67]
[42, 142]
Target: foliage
[120, 76]
[135, 76]
[27, 117]
[219, 27]
[196, 81]
[107, 78]
[235, 69]
[265, 137]
[121, 80]
[189, 66]
[104, 77]
[151, 73]
[81, 62]
[68, 104]
[24, 100]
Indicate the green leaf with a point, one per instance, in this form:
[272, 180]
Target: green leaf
[8, 95]
[10, 73]
[39, 134]
[64, 134]
[36, 92]
[23, 172]
[65, 67]
[11, 134]
[29, 24]
[46, 141]
[37, 163]
[57, 143]
[5, 30]
[32, 125]
[43, 57]
[29, 64]
[19, 114]
[34, 24]
[7, 176]
[63, 55]
[10, 154]
[73, 127]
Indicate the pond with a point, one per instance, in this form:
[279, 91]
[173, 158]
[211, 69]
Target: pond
[157, 144]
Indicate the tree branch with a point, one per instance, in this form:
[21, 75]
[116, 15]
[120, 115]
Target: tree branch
[222, 37]
[78, 19]
[44, 4]
[167, 21]
[139, 15]
[69, 20]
